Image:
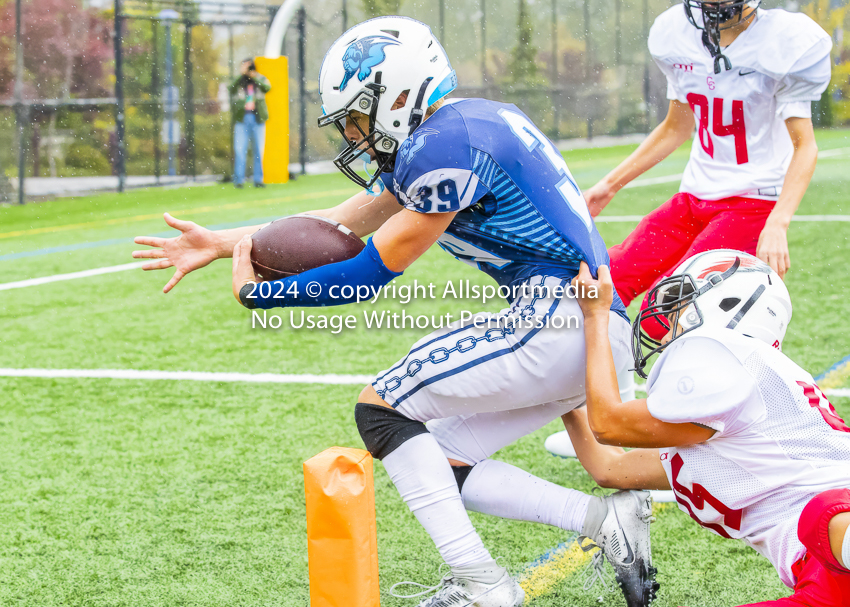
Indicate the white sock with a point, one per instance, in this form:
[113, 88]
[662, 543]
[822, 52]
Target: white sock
[503, 490]
[845, 549]
[423, 477]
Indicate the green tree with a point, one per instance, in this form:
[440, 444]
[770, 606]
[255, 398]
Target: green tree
[522, 66]
[378, 8]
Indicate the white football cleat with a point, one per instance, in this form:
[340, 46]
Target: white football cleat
[459, 592]
[624, 540]
[560, 444]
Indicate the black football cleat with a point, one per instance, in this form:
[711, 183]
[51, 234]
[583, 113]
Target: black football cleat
[624, 540]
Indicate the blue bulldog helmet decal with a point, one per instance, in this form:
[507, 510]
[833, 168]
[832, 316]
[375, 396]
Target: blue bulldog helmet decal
[414, 143]
[362, 56]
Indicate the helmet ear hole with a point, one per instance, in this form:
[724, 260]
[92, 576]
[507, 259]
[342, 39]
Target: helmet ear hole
[401, 100]
[729, 303]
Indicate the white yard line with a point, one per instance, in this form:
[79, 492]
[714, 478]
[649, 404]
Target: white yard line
[618, 218]
[32, 282]
[647, 181]
[835, 152]
[637, 218]
[637, 183]
[258, 378]
[820, 218]
[57, 277]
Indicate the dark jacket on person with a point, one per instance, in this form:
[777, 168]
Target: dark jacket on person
[239, 94]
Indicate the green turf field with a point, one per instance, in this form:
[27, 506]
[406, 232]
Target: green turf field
[163, 493]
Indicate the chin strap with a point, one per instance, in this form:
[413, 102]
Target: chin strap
[746, 307]
[716, 279]
[417, 114]
[711, 38]
[714, 48]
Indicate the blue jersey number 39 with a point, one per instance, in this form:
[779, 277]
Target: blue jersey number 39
[446, 191]
[532, 138]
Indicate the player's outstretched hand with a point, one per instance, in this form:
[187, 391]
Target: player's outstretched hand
[772, 249]
[194, 248]
[243, 270]
[595, 295]
[598, 197]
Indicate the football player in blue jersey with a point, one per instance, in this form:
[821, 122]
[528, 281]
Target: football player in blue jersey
[478, 178]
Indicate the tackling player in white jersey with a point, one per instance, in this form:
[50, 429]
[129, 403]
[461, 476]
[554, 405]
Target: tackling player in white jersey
[745, 77]
[751, 447]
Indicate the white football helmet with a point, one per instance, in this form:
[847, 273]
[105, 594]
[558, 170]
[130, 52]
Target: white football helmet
[722, 289]
[367, 70]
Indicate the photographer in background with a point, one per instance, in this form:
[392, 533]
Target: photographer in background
[248, 106]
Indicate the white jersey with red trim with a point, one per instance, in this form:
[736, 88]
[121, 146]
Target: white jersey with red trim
[780, 64]
[778, 440]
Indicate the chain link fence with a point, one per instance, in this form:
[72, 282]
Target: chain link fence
[578, 68]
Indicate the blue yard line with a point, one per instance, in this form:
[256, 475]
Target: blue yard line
[115, 241]
[64, 248]
[547, 556]
[835, 376]
[541, 576]
[841, 363]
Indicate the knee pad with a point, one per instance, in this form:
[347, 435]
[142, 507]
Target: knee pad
[461, 474]
[384, 430]
[813, 527]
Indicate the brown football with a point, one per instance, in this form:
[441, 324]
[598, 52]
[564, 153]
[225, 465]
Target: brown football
[302, 242]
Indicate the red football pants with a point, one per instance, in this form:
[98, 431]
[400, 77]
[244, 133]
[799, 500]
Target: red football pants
[821, 580]
[681, 227]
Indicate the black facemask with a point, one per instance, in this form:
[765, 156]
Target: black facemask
[717, 16]
[666, 301]
[382, 145]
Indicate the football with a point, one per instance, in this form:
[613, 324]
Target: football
[292, 245]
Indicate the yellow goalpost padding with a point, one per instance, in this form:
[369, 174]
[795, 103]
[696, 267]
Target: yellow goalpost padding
[276, 147]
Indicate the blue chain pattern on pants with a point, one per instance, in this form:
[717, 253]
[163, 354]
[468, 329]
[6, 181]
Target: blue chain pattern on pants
[465, 344]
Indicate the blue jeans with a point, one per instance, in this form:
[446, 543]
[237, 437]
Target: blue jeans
[249, 128]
